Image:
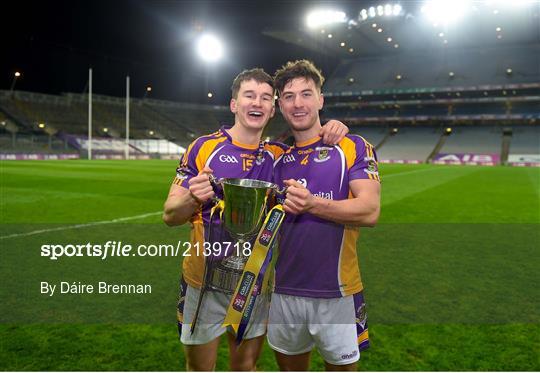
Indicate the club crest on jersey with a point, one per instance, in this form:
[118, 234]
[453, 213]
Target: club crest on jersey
[323, 155]
[180, 174]
[371, 167]
[260, 160]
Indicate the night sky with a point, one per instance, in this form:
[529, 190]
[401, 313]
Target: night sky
[53, 43]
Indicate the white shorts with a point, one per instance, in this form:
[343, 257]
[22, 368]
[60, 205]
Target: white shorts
[297, 324]
[212, 314]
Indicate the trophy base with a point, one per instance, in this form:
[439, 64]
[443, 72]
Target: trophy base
[225, 275]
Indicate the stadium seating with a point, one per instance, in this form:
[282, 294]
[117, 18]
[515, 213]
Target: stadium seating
[410, 143]
[483, 66]
[374, 135]
[482, 140]
[525, 140]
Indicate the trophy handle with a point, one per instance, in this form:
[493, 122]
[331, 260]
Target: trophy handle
[214, 180]
[280, 191]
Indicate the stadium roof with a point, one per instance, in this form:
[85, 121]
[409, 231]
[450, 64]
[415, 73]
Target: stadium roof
[394, 27]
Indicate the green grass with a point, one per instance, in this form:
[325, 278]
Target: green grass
[450, 271]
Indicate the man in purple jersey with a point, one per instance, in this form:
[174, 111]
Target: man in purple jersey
[235, 152]
[332, 190]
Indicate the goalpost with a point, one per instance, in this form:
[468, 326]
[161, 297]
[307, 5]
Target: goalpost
[126, 151]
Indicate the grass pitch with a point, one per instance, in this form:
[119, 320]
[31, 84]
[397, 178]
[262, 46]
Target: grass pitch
[451, 270]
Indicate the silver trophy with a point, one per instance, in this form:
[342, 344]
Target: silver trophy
[245, 208]
[244, 211]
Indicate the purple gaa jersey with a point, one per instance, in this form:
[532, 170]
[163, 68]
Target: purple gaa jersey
[317, 257]
[227, 159]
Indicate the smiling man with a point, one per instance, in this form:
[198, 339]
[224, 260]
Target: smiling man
[235, 152]
[332, 190]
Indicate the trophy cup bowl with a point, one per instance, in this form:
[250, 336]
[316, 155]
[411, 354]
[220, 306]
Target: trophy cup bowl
[245, 206]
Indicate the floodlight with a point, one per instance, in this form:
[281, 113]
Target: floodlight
[210, 95]
[363, 14]
[380, 10]
[322, 17]
[397, 10]
[41, 125]
[445, 11]
[388, 10]
[209, 47]
[372, 12]
[17, 74]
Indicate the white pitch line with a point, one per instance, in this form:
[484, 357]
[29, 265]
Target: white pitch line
[411, 172]
[77, 226]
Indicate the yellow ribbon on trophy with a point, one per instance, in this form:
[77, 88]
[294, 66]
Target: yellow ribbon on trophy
[220, 205]
[241, 302]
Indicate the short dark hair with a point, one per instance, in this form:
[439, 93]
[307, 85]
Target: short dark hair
[298, 69]
[257, 74]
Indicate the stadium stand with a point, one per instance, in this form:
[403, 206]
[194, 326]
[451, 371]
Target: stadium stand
[482, 140]
[481, 101]
[410, 143]
[374, 135]
[484, 66]
[48, 123]
[525, 143]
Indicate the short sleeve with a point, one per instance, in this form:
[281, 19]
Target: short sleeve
[188, 166]
[364, 163]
